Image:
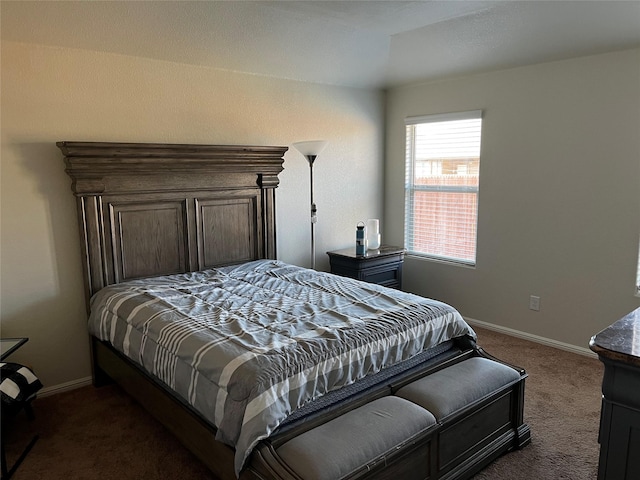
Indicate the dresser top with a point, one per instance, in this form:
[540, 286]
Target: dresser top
[621, 340]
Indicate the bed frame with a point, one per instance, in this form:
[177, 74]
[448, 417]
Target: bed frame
[157, 209]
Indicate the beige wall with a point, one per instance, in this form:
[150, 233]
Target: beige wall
[559, 211]
[53, 94]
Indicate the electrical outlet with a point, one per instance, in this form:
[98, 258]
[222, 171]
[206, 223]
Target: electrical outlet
[534, 303]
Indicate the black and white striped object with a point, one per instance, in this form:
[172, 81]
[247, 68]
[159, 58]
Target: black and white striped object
[17, 383]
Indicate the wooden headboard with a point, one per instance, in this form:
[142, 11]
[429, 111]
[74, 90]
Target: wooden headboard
[157, 209]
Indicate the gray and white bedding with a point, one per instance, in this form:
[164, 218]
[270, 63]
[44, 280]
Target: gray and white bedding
[247, 345]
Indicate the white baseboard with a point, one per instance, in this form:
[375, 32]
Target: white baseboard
[533, 338]
[64, 387]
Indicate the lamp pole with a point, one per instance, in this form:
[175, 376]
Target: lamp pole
[311, 150]
[314, 212]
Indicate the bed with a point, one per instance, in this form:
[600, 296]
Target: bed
[234, 351]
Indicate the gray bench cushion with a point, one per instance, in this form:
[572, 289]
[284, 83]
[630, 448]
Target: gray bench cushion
[354, 439]
[455, 387]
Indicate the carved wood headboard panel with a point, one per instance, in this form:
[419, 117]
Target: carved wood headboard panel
[157, 209]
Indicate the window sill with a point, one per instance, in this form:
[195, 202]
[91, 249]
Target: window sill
[443, 261]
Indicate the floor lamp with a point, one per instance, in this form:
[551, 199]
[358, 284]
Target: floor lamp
[311, 150]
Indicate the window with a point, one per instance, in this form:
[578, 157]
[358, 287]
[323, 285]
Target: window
[442, 185]
[638, 274]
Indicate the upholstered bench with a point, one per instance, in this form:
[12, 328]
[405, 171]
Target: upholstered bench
[459, 386]
[473, 401]
[377, 433]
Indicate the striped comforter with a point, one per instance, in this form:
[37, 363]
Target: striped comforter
[246, 345]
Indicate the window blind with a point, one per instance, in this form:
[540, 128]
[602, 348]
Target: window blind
[638, 273]
[442, 185]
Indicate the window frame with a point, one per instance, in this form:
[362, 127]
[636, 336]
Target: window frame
[410, 187]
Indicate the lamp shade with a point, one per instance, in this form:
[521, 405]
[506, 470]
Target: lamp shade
[310, 148]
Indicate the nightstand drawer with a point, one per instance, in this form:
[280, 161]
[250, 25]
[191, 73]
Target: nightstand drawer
[388, 276]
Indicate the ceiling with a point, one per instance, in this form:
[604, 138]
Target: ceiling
[368, 44]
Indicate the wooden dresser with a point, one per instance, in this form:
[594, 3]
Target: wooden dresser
[618, 347]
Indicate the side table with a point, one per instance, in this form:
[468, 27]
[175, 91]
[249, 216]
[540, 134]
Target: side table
[7, 347]
[10, 345]
[382, 266]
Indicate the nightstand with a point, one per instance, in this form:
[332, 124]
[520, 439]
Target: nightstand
[382, 266]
